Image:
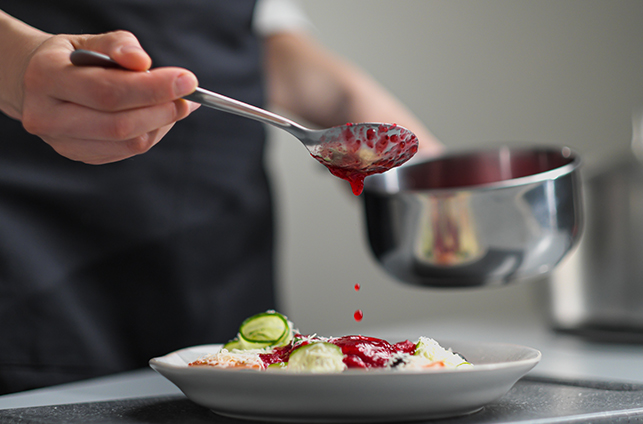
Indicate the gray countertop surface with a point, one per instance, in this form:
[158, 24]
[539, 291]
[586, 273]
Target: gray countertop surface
[576, 381]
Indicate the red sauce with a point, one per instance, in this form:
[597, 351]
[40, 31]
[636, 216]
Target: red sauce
[391, 146]
[357, 287]
[367, 352]
[356, 179]
[359, 351]
[406, 346]
[280, 354]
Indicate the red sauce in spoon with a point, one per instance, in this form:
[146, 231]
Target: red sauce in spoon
[362, 150]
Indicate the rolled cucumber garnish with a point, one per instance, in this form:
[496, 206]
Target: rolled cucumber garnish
[264, 330]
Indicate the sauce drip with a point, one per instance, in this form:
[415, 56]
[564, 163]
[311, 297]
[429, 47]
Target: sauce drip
[358, 151]
[358, 315]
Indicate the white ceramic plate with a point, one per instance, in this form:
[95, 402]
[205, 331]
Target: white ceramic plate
[354, 395]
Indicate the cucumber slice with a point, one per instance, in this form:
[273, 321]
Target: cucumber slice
[317, 357]
[264, 330]
[232, 344]
[278, 366]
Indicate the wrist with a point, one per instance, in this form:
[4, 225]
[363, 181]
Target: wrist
[19, 41]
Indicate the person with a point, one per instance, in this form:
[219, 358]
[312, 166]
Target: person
[117, 247]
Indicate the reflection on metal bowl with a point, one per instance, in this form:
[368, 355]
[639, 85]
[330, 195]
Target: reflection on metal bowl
[477, 218]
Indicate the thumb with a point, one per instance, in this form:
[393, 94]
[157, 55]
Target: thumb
[123, 47]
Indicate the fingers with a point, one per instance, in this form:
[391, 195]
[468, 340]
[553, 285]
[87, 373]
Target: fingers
[98, 152]
[74, 121]
[50, 73]
[95, 139]
[116, 90]
[122, 46]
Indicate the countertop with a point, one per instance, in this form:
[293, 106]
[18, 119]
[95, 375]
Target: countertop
[576, 381]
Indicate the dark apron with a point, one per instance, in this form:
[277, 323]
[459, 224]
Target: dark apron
[104, 267]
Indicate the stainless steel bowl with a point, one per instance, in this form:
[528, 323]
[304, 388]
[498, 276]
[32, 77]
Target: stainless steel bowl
[478, 218]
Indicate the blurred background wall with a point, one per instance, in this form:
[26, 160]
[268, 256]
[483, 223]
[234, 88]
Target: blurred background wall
[564, 72]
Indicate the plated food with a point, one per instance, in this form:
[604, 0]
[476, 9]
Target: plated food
[355, 395]
[269, 341]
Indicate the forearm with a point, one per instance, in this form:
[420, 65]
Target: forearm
[307, 80]
[17, 42]
[368, 101]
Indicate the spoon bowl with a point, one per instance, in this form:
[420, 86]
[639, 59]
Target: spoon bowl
[354, 151]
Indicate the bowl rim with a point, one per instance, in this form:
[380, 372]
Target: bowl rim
[371, 182]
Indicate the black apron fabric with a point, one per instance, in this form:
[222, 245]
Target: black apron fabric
[104, 267]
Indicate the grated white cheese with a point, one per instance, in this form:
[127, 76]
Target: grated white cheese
[431, 350]
[234, 358]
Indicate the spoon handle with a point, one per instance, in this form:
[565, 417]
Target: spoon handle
[205, 97]
[227, 104]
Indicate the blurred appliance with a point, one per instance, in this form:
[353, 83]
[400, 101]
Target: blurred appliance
[598, 291]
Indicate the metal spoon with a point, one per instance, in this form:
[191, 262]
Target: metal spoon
[350, 151]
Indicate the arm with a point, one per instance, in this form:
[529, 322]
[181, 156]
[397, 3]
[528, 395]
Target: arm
[92, 115]
[307, 80]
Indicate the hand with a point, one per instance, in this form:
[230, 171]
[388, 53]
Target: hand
[96, 115]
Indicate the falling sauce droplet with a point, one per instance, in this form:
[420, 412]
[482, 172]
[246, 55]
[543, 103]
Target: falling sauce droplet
[358, 315]
[357, 287]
